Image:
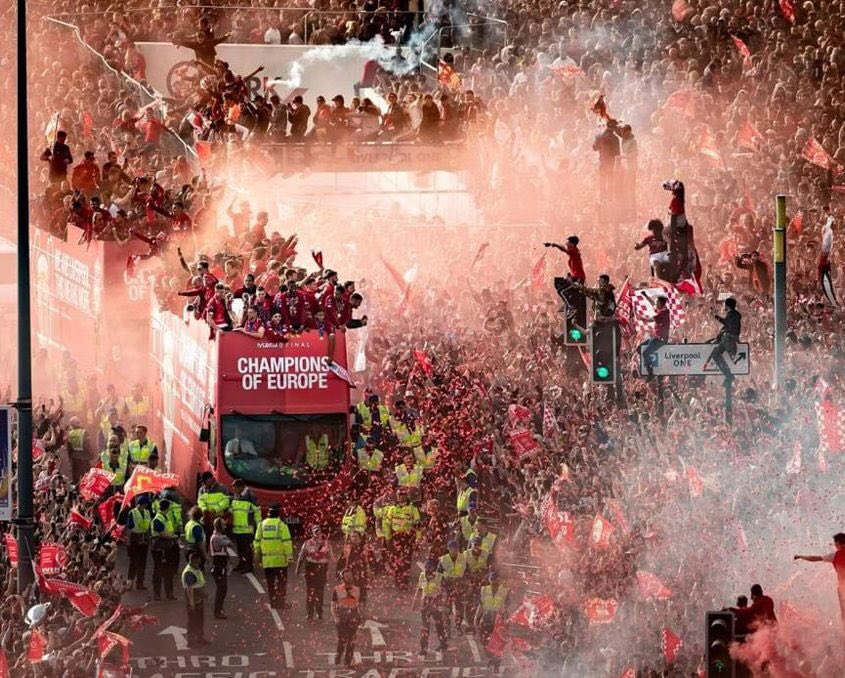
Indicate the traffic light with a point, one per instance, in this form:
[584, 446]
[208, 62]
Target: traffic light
[720, 635]
[575, 312]
[603, 347]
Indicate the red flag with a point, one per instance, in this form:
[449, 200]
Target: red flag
[601, 532]
[86, 602]
[600, 611]
[742, 48]
[76, 518]
[517, 414]
[136, 621]
[550, 425]
[106, 511]
[650, 586]
[538, 273]
[318, 258]
[796, 225]
[624, 308]
[498, 639]
[696, 487]
[144, 480]
[107, 624]
[11, 549]
[446, 75]
[398, 278]
[108, 641]
[670, 644]
[534, 611]
[707, 146]
[37, 646]
[93, 484]
[680, 10]
[600, 108]
[87, 125]
[523, 442]
[748, 136]
[203, 149]
[424, 362]
[831, 425]
[4, 664]
[52, 558]
[814, 153]
[683, 100]
[788, 10]
[618, 515]
[565, 537]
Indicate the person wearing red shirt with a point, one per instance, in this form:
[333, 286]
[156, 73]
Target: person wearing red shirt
[659, 335]
[337, 308]
[264, 304]
[325, 330]
[276, 328]
[217, 313]
[180, 220]
[761, 611]
[293, 305]
[270, 279]
[86, 175]
[252, 325]
[837, 559]
[576, 265]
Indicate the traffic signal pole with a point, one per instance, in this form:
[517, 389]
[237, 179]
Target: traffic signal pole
[779, 258]
[23, 405]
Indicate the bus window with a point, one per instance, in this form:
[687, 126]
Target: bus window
[283, 451]
[212, 443]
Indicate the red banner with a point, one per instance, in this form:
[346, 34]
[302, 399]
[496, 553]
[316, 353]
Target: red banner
[670, 644]
[600, 534]
[534, 611]
[814, 153]
[144, 479]
[600, 611]
[108, 641]
[52, 558]
[37, 646]
[76, 518]
[94, 483]
[12, 549]
[651, 588]
[523, 442]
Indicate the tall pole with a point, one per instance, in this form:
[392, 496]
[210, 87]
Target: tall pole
[24, 402]
[780, 289]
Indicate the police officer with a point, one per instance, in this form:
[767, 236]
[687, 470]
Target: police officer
[195, 535]
[426, 455]
[346, 612]
[354, 520]
[165, 551]
[467, 493]
[430, 592]
[372, 418]
[274, 551]
[488, 538]
[79, 449]
[138, 525]
[193, 581]
[453, 566]
[370, 458]
[478, 565]
[494, 603]
[141, 447]
[213, 500]
[218, 547]
[246, 514]
[116, 461]
[468, 523]
[381, 505]
[399, 528]
[409, 474]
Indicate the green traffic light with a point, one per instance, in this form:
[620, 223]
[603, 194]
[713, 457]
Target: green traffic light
[575, 334]
[602, 372]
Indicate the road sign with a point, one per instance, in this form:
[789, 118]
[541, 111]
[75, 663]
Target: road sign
[696, 359]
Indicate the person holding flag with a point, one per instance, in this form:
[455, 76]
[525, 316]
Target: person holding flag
[659, 334]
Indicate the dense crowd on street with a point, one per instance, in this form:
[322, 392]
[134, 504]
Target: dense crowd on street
[625, 512]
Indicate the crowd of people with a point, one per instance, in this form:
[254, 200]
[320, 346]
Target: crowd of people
[629, 516]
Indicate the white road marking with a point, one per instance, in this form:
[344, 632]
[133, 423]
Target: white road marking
[278, 620]
[374, 627]
[473, 646]
[179, 637]
[288, 648]
[255, 583]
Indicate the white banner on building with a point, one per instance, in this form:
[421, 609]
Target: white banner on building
[5, 464]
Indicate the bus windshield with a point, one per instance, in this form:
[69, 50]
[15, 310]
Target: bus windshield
[282, 451]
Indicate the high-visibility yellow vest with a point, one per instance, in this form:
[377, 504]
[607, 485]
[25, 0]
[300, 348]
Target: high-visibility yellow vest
[317, 453]
[464, 497]
[379, 514]
[76, 440]
[174, 514]
[215, 501]
[137, 409]
[120, 471]
[407, 478]
[453, 569]
[354, 520]
[493, 602]
[430, 587]
[272, 543]
[162, 520]
[476, 565]
[189, 531]
[200, 577]
[406, 436]
[140, 454]
[426, 460]
[488, 541]
[400, 519]
[370, 461]
[242, 509]
[467, 528]
[141, 520]
[367, 415]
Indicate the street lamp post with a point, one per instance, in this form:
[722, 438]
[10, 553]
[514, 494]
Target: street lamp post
[23, 404]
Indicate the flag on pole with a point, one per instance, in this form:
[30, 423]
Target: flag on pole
[94, 483]
[600, 108]
[550, 425]
[788, 10]
[76, 518]
[534, 611]
[523, 442]
[742, 48]
[748, 136]
[341, 373]
[108, 641]
[670, 644]
[538, 273]
[831, 425]
[682, 100]
[625, 309]
[814, 153]
[52, 558]
[424, 362]
[145, 480]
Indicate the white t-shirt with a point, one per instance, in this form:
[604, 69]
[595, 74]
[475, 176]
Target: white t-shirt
[240, 447]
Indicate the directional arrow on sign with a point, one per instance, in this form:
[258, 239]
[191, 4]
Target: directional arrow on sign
[179, 636]
[374, 628]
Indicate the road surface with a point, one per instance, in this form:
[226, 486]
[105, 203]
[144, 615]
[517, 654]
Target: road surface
[256, 642]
